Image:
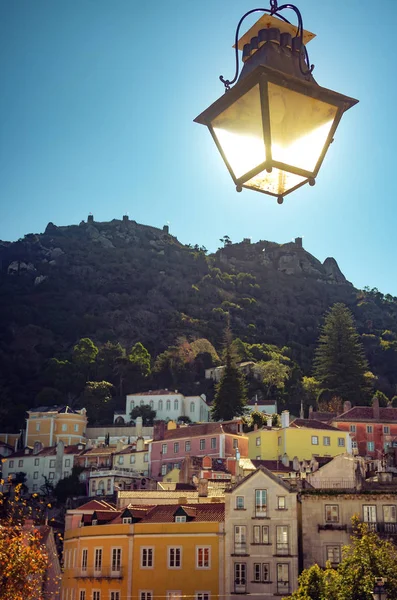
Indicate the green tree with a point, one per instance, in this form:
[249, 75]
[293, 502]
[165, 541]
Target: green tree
[97, 399]
[310, 389]
[84, 356]
[339, 363]
[70, 486]
[273, 374]
[140, 360]
[108, 359]
[230, 396]
[146, 412]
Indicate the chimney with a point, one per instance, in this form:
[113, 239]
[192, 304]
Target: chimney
[138, 427]
[140, 444]
[310, 412]
[296, 464]
[302, 413]
[285, 460]
[158, 431]
[231, 465]
[203, 488]
[375, 407]
[346, 406]
[285, 419]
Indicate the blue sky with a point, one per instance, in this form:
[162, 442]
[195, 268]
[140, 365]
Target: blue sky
[96, 115]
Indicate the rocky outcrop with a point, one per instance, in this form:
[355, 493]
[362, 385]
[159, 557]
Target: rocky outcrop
[333, 272]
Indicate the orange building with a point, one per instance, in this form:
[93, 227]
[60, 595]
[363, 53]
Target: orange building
[142, 552]
[49, 425]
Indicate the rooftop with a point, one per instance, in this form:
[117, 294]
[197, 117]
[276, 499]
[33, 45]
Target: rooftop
[312, 424]
[200, 430]
[366, 413]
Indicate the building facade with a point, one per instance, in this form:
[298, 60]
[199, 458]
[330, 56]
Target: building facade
[50, 425]
[168, 406]
[261, 526]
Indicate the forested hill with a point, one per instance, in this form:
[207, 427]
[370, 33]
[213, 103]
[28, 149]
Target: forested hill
[125, 282]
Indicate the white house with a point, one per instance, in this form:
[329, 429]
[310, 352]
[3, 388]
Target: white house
[168, 406]
[41, 464]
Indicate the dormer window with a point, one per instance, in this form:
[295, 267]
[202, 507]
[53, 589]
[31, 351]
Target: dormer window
[94, 522]
[127, 520]
[180, 519]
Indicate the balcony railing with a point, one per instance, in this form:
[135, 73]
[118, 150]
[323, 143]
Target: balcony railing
[260, 510]
[282, 548]
[380, 527]
[240, 586]
[104, 573]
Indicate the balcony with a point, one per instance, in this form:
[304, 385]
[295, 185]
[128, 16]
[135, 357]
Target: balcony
[240, 549]
[240, 586]
[282, 549]
[104, 573]
[381, 528]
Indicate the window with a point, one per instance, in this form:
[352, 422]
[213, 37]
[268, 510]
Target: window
[36, 475]
[354, 444]
[121, 460]
[369, 516]
[370, 446]
[174, 595]
[341, 442]
[20, 463]
[331, 513]
[333, 554]
[180, 519]
[151, 404]
[36, 462]
[352, 428]
[116, 559]
[260, 503]
[240, 539]
[132, 459]
[239, 502]
[82, 595]
[164, 448]
[369, 428]
[261, 572]
[168, 405]
[314, 440]
[97, 559]
[389, 513]
[35, 487]
[282, 579]
[176, 447]
[64, 427]
[213, 443]
[127, 520]
[115, 596]
[146, 457]
[202, 444]
[386, 429]
[192, 407]
[37, 426]
[187, 446]
[11, 464]
[67, 462]
[145, 595]
[260, 534]
[76, 427]
[51, 475]
[147, 558]
[52, 464]
[326, 440]
[258, 441]
[235, 444]
[282, 539]
[164, 469]
[176, 404]
[281, 504]
[203, 557]
[160, 405]
[240, 576]
[174, 558]
[203, 596]
[96, 595]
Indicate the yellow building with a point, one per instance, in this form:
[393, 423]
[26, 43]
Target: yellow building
[143, 552]
[302, 438]
[50, 425]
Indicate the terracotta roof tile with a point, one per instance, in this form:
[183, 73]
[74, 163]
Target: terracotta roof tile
[157, 393]
[366, 413]
[326, 417]
[312, 424]
[209, 512]
[200, 430]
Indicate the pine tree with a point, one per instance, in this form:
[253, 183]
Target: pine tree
[340, 363]
[230, 398]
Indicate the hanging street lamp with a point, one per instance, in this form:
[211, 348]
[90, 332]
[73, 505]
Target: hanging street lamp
[274, 126]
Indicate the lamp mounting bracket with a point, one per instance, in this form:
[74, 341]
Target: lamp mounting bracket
[304, 63]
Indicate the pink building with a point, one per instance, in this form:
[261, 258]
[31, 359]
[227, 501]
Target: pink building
[216, 440]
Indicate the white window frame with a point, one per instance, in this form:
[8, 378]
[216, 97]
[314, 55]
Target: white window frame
[326, 440]
[174, 556]
[116, 554]
[188, 446]
[176, 447]
[114, 595]
[149, 557]
[391, 508]
[281, 503]
[341, 442]
[240, 539]
[98, 552]
[203, 596]
[260, 534]
[352, 429]
[240, 503]
[332, 513]
[314, 440]
[333, 551]
[282, 540]
[386, 429]
[145, 594]
[164, 449]
[203, 562]
[202, 444]
[36, 462]
[96, 594]
[82, 594]
[258, 441]
[371, 446]
[260, 503]
[213, 443]
[369, 429]
[174, 594]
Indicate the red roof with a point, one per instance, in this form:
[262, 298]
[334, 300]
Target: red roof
[312, 424]
[157, 393]
[322, 416]
[366, 413]
[200, 430]
[209, 512]
[96, 505]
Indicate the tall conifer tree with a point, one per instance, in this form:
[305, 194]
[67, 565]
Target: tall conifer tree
[340, 363]
[231, 397]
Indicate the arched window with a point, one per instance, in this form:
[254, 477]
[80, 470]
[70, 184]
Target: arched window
[175, 404]
[192, 407]
[151, 403]
[132, 405]
[142, 402]
[160, 405]
[168, 405]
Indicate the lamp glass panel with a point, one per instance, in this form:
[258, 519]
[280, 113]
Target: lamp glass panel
[277, 182]
[239, 132]
[299, 127]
